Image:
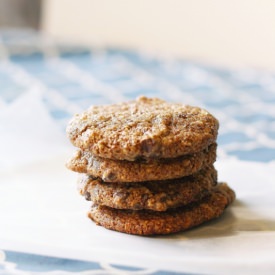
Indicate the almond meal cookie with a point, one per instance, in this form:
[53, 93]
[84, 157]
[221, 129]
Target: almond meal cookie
[152, 195]
[143, 128]
[147, 166]
[146, 222]
[143, 170]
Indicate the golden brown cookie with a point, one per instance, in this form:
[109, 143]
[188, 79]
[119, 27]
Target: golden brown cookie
[143, 128]
[137, 171]
[146, 222]
[152, 195]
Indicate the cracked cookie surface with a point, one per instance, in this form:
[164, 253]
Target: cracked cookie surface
[143, 128]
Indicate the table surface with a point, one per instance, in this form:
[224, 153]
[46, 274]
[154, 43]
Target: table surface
[70, 78]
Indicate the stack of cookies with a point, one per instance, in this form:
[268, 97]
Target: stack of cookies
[147, 166]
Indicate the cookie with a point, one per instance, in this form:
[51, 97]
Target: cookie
[152, 195]
[146, 222]
[137, 171]
[143, 128]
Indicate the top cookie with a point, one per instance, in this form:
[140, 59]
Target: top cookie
[143, 128]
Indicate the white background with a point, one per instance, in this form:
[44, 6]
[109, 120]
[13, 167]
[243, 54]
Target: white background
[237, 33]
